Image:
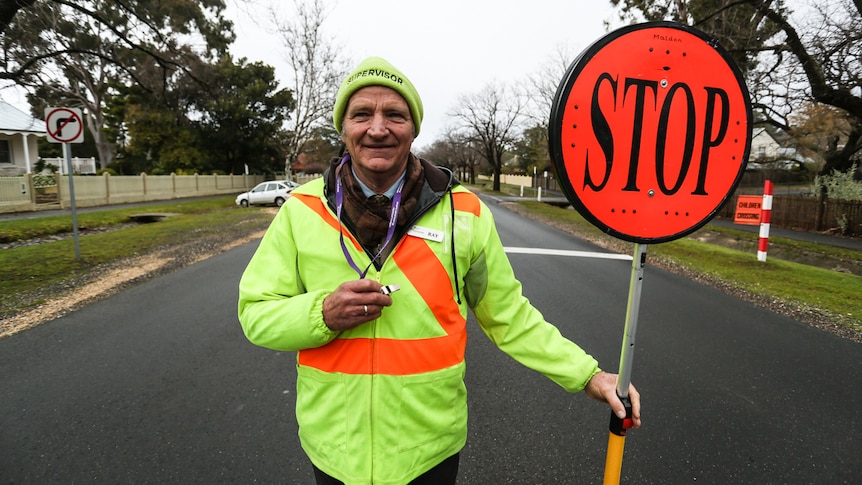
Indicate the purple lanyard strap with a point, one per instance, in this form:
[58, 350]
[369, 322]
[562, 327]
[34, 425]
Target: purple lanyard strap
[339, 204]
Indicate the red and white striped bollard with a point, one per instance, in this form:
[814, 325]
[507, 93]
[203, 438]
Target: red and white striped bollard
[765, 218]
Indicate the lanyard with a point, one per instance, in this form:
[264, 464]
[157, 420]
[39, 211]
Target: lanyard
[393, 218]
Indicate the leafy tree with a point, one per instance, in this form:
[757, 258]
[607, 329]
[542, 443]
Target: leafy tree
[221, 117]
[76, 49]
[242, 112]
[819, 128]
[532, 149]
[160, 141]
[152, 119]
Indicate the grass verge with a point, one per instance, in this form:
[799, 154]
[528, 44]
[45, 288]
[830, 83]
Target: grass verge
[23, 229]
[32, 274]
[813, 294]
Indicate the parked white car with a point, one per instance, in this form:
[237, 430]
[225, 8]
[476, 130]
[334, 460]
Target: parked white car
[266, 193]
[290, 184]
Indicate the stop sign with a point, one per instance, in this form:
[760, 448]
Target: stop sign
[650, 131]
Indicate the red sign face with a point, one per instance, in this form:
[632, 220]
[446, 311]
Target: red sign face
[748, 209]
[650, 131]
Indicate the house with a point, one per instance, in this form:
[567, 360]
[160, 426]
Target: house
[18, 135]
[769, 149]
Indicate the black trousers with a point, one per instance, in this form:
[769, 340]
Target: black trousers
[443, 474]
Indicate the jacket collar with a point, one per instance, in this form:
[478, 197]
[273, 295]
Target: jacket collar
[438, 181]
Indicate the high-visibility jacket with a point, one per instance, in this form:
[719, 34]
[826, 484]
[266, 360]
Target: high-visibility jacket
[386, 401]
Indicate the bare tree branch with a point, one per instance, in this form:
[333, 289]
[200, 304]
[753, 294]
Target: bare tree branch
[491, 119]
[318, 70]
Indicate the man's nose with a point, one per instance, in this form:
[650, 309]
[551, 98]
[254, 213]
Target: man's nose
[378, 125]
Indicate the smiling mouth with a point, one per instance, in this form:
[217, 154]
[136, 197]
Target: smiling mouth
[379, 149]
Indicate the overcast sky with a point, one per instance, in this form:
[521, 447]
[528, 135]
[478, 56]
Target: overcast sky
[447, 48]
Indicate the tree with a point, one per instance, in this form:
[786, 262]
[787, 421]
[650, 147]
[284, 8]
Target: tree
[152, 122]
[222, 117]
[826, 62]
[540, 88]
[736, 25]
[532, 149]
[324, 144]
[455, 152]
[75, 50]
[242, 111]
[490, 119]
[819, 128]
[317, 73]
[789, 60]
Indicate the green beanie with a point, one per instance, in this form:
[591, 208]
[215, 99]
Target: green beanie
[376, 71]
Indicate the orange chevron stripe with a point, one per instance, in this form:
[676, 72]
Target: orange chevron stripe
[467, 202]
[316, 204]
[403, 357]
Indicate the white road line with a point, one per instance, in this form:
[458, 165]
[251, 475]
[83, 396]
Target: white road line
[562, 252]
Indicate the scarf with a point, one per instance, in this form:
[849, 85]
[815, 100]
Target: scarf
[370, 218]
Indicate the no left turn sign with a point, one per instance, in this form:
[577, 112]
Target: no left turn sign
[64, 125]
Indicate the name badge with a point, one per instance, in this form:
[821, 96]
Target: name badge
[426, 233]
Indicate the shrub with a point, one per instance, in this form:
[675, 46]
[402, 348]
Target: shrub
[43, 180]
[840, 185]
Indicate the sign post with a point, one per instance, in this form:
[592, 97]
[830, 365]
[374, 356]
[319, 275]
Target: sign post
[765, 221]
[649, 134]
[66, 125]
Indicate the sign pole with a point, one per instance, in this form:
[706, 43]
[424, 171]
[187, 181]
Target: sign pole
[618, 427]
[648, 150]
[765, 220]
[67, 152]
[66, 125]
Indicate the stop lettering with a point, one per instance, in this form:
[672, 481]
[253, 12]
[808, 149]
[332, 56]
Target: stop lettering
[650, 131]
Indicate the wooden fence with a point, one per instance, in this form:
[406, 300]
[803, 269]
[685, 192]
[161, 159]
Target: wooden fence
[810, 214]
[789, 211]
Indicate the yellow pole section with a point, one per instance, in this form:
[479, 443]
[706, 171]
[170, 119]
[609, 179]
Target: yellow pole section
[614, 460]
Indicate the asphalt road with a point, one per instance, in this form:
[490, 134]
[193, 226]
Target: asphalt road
[158, 385]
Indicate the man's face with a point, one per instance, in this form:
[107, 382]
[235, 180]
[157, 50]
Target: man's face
[378, 132]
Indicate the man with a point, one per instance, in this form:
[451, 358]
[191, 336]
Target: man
[368, 273]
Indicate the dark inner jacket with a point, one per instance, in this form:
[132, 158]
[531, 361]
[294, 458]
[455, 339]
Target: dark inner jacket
[425, 185]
